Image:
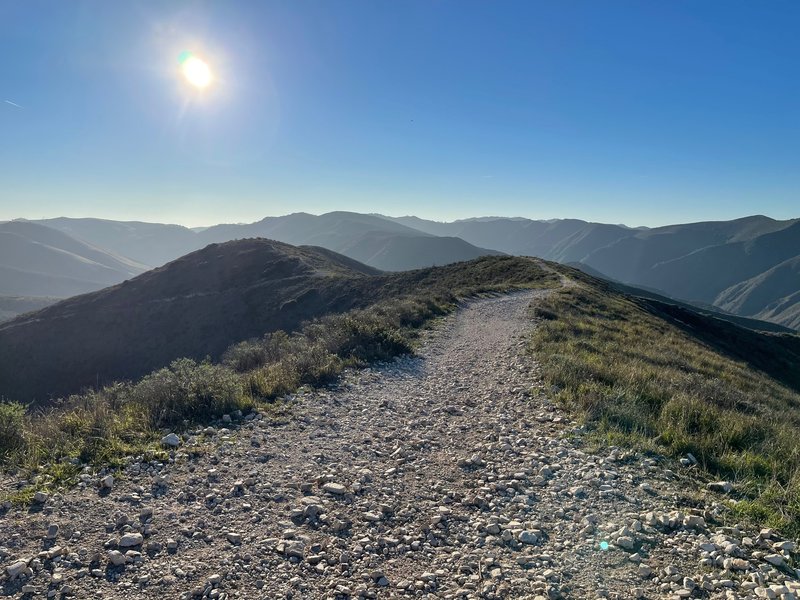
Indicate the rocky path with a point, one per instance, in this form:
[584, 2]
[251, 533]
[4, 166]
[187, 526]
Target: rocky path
[447, 475]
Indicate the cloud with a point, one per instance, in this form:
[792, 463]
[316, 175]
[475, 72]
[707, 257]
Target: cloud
[12, 103]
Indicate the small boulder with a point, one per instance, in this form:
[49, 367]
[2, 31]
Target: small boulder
[172, 440]
[129, 540]
[337, 489]
[16, 568]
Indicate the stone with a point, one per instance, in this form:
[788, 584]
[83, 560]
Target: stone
[775, 559]
[172, 440]
[107, 482]
[337, 489]
[116, 558]
[16, 568]
[130, 540]
[40, 497]
[234, 538]
[527, 537]
[722, 487]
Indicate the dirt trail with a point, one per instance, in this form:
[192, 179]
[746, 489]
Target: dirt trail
[445, 475]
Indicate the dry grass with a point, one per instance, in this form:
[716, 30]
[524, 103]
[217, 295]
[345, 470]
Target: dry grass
[640, 377]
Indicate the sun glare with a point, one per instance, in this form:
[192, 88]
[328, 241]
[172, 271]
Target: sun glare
[195, 70]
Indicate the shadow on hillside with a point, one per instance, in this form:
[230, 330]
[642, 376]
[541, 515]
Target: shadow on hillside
[777, 355]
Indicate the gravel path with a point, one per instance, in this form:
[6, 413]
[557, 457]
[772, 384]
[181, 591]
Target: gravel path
[446, 475]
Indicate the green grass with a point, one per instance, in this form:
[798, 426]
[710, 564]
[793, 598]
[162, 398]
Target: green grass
[639, 376]
[103, 427]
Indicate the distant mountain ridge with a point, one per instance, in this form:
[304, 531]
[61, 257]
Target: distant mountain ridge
[715, 263]
[370, 239]
[696, 262]
[41, 261]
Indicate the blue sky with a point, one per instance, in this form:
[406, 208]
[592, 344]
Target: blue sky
[639, 112]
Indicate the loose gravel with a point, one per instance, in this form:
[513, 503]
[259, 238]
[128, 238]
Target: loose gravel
[445, 475]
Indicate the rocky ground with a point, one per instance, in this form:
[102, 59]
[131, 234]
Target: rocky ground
[447, 475]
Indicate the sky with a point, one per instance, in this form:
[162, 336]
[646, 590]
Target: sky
[636, 112]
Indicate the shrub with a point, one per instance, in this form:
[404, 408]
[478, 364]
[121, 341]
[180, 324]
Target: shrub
[187, 390]
[12, 420]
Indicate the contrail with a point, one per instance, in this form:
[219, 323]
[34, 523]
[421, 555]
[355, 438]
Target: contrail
[12, 103]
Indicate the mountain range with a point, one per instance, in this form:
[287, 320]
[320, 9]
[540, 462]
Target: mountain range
[748, 267]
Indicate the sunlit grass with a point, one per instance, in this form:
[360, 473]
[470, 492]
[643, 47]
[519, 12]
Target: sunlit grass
[639, 380]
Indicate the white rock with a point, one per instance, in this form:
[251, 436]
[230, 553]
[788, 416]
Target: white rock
[336, 489]
[234, 538]
[775, 559]
[107, 482]
[720, 486]
[171, 440]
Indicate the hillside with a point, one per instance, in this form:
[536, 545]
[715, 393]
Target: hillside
[372, 240]
[695, 262]
[703, 309]
[39, 261]
[151, 244]
[704, 273]
[13, 306]
[771, 295]
[194, 306]
[564, 240]
[366, 238]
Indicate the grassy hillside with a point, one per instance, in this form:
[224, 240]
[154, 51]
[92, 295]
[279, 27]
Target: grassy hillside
[658, 376]
[102, 426]
[196, 307]
[193, 307]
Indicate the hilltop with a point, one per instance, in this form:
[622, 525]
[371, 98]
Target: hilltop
[194, 306]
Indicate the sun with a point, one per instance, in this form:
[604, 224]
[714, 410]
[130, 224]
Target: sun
[195, 70]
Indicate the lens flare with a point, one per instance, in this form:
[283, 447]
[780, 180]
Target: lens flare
[604, 545]
[195, 70]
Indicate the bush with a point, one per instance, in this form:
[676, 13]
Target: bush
[189, 391]
[12, 421]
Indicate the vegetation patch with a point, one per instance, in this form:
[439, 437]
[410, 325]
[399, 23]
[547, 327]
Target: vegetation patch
[642, 374]
[102, 427]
